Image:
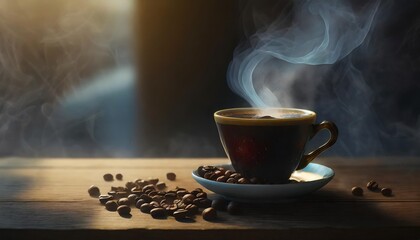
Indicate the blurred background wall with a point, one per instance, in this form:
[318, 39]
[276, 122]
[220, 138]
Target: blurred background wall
[143, 78]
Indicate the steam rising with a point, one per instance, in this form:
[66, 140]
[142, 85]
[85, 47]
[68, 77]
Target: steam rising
[322, 32]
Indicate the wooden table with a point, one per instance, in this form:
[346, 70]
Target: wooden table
[47, 199]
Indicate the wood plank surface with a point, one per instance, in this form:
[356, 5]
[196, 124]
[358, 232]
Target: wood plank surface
[48, 197]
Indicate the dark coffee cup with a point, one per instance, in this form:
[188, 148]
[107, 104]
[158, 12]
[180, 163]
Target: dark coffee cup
[269, 144]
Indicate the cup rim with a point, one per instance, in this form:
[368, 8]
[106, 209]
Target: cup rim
[221, 117]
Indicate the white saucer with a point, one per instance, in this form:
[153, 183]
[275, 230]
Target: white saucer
[310, 179]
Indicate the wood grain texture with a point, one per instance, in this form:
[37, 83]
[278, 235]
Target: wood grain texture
[41, 195]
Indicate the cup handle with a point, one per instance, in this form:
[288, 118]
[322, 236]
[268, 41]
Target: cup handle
[330, 126]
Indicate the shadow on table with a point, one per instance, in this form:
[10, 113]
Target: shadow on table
[18, 208]
[324, 209]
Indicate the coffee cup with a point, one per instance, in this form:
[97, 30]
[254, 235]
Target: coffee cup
[269, 144]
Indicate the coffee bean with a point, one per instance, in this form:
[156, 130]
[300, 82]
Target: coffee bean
[146, 198]
[170, 196]
[222, 179]
[170, 209]
[121, 194]
[152, 193]
[140, 183]
[171, 176]
[243, 181]
[123, 201]
[218, 173]
[148, 187]
[188, 197]
[181, 193]
[124, 210]
[158, 212]
[192, 209]
[111, 206]
[130, 185]
[236, 176]
[157, 198]
[108, 177]
[209, 175]
[132, 198]
[112, 193]
[202, 202]
[160, 185]
[119, 176]
[180, 214]
[228, 173]
[372, 185]
[152, 180]
[94, 191]
[201, 171]
[231, 180]
[209, 168]
[196, 191]
[145, 208]
[387, 192]
[154, 204]
[219, 204]
[209, 214]
[357, 191]
[201, 195]
[233, 208]
[104, 198]
[139, 203]
[137, 191]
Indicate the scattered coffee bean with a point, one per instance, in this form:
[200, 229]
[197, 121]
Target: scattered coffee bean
[357, 191]
[111, 206]
[201, 195]
[387, 192]
[108, 177]
[181, 193]
[372, 185]
[160, 185]
[209, 214]
[149, 187]
[121, 194]
[112, 193]
[124, 210]
[219, 204]
[132, 198]
[94, 191]
[158, 212]
[152, 180]
[145, 208]
[192, 209]
[119, 176]
[188, 198]
[171, 176]
[154, 204]
[146, 198]
[180, 214]
[139, 203]
[202, 202]
[170, 209]
[152, 193]
[130, 185]
[233, 208]
[123, 201]
[104, 198]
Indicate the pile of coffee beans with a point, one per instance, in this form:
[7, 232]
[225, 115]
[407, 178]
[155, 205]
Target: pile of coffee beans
[150, 197]
[220, 174]
[374, 187]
